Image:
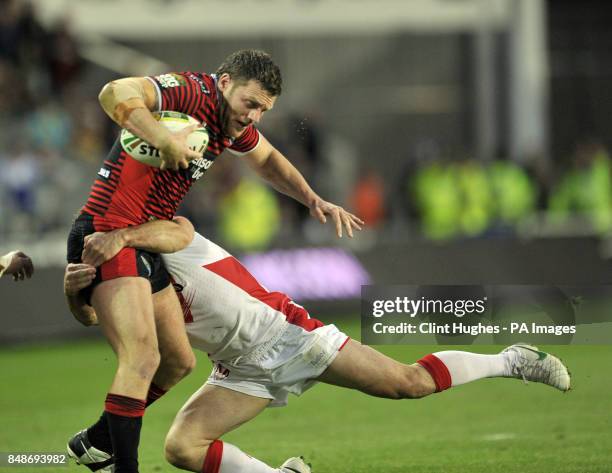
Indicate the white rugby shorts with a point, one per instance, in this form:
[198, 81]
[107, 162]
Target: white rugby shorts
[288, 363]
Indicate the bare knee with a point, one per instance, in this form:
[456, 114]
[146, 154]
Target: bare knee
[182, 366]
[142, 359]
[174, 368]
[183, 454]
[185, 365]
[179, 454]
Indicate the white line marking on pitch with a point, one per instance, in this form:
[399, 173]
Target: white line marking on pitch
[498, 437]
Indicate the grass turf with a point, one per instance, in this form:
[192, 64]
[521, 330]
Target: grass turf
[496, 425]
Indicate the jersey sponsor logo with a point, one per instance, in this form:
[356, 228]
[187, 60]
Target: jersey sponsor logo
[199, 167]
[105, 173]
[170, 80]
[203, 87]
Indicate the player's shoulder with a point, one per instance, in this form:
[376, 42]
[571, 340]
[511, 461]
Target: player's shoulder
[246, 142]
[203, 81]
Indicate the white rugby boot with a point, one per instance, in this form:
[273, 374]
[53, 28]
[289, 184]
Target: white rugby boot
[295, 465]
[528, 363]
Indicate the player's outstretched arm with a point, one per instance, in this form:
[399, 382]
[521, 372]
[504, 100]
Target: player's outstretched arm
[18, 264]
[270, 164]
[77, 277]
[158, 236]
[129, 102]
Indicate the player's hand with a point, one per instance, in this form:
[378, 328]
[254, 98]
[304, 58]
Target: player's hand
[19, 265]
[342, 219]
[77, 277]
[175, 153]
[99, 247]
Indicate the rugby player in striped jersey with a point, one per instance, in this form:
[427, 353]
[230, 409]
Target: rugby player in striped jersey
[137, 309]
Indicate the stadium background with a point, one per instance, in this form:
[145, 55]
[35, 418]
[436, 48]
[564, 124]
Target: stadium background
[472, 136]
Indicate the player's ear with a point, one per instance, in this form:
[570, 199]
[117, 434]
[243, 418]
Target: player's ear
[224, 82]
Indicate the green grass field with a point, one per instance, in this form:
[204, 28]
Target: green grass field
[49, 392]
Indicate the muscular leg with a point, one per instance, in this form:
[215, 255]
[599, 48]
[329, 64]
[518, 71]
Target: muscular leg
[360, 367]
[125, 311]
[211, 412]
[177, 358]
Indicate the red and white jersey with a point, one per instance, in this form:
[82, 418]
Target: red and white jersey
[227, 311]
[127, 192]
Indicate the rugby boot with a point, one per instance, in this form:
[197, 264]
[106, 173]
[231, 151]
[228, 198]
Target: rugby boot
[295, 465]
[84, 453]
[530, 364]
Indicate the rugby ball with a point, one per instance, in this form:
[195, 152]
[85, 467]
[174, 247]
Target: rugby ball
[143, 152]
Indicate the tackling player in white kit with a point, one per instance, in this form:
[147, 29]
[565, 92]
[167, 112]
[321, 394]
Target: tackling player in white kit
[264, 346]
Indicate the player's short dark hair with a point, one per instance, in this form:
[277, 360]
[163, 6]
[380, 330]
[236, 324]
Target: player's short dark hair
[253, 64]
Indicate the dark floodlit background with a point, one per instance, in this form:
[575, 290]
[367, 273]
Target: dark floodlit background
[471, 135]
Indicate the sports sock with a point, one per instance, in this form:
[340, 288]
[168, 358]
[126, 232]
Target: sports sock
[452, 368]
[155, 392]
[99, 435]
[124, 416]
[223, 457]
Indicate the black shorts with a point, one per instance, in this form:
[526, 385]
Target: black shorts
[128, 262]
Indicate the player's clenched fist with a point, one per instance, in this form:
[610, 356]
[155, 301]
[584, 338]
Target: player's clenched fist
[100, 247]
[174, 151]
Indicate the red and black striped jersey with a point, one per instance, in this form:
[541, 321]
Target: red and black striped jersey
[127, 192]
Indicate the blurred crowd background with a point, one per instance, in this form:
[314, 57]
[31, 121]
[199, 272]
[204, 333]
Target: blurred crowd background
[416, 129]
[472, 136]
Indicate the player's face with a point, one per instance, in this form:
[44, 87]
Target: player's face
[246, 102]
